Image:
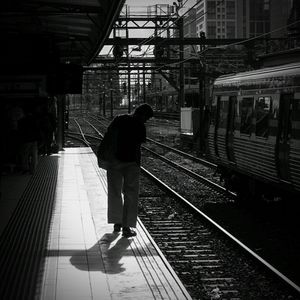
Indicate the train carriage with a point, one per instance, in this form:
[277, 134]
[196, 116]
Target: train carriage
[254, 132]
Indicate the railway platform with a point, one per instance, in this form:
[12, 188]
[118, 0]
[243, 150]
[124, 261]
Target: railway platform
[55, 242]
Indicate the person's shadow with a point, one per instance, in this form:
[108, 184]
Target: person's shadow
[102, 257]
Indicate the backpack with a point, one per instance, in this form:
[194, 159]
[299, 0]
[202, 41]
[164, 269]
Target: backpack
[107, 148]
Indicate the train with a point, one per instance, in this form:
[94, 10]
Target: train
[253, 133]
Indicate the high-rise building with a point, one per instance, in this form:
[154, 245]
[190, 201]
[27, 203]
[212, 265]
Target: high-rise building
[218, 19]
[233, 19]
[293, 20]
[242, 18]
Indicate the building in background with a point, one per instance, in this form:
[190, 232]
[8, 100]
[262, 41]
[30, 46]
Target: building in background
[235, 19]
[242, 18]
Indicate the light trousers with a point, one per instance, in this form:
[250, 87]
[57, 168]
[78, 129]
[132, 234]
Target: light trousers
[123, 193]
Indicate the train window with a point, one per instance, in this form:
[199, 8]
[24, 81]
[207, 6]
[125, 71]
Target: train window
[246, 113]
[223, 111]
[285, 118]
[232, 113]
[263, 106]
[275, 107]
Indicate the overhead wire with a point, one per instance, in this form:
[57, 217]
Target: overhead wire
[194, 20]
[200, 54]
[232, 44]
[161, 31]
[258, 36]
[153, 36]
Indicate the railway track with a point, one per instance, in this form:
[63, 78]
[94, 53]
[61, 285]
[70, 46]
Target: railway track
[198, 168]
[202, 252]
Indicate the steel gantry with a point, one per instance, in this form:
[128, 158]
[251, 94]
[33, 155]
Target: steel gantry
[167, 53]
[160, 20]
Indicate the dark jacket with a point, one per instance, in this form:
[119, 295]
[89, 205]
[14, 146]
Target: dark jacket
[131, 133]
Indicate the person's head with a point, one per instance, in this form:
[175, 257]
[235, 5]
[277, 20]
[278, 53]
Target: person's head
[143, 112]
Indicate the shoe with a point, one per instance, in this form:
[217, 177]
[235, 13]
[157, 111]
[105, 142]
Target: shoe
[117, 227]
[127, 232]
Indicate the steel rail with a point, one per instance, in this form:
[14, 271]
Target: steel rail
[71, 134]
[197, 159]
[82, 133]
[98, 132]
[192, 174]
[78, 139]
[181, 168]
[264, 263]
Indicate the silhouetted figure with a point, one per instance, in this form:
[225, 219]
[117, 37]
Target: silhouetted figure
[28, 134]
[11, 142]
[121, 149]
[46, 126]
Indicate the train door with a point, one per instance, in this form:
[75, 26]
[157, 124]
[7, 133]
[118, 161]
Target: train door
[284, 136]
[215, 112]
[222, 127]
[230, 127]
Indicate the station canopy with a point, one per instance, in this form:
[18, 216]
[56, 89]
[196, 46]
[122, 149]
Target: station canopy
[64, 31]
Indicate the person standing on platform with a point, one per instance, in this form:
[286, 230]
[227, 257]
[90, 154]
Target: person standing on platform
[46, 124]
[28, 131]
[120, 149]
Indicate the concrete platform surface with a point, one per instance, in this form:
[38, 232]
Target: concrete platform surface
[84, 258]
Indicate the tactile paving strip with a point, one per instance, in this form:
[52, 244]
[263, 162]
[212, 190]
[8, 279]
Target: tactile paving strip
[23, 241]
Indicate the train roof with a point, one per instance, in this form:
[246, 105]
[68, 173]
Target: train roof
[277, 71]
